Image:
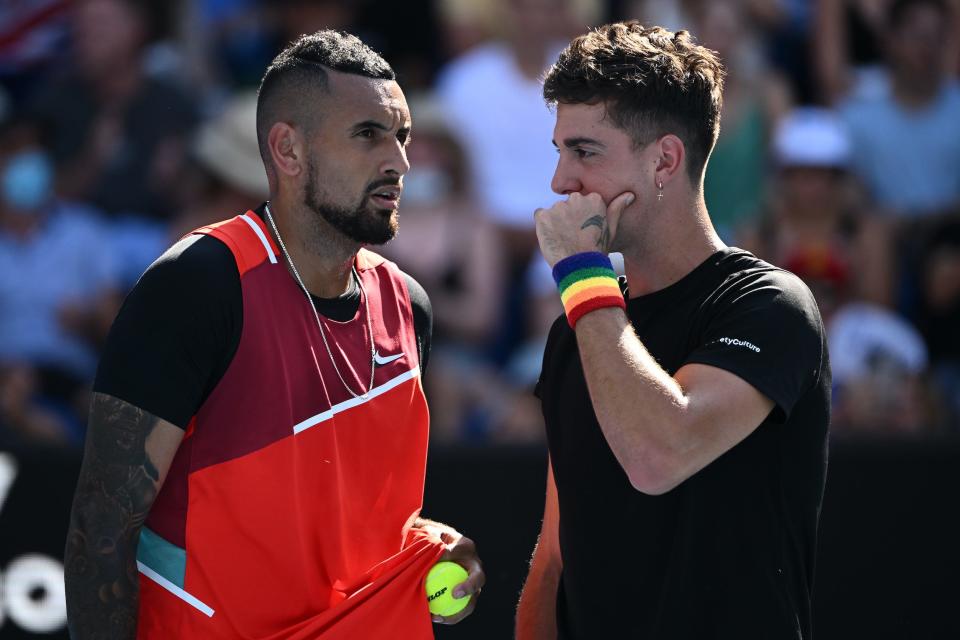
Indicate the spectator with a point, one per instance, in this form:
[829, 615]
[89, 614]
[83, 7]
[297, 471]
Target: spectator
[227, 43]
[670, 14]
[446, 243]
[879, 360]
[31, 34]
[297, 17]
[119, 135]
[849, 45]
[452, 249]
[779, 27]
[939, 311]
[754, 99]
[226, 174]
[25, 417]
[916, 109]
[815, 212]
[466, 23]
[817, 226]
[879, 364]
[57, 274]
[492, 96]
[787, 26]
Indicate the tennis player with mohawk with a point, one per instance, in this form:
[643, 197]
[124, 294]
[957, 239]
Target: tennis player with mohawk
[255, 458]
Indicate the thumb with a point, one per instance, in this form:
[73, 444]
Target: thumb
[615, 210]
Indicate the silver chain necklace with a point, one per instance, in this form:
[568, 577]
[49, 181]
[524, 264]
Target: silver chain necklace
[313, 307]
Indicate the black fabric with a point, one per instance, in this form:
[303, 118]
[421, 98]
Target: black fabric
[730, 552]
[180, 327]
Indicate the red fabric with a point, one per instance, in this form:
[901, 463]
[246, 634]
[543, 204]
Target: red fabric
[301, 536]
[592, 304]
[246, 246]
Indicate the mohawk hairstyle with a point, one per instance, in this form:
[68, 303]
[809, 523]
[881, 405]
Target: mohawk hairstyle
[302, 66]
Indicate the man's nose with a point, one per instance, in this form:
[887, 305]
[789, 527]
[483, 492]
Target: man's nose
[564, 182]
[396, 163]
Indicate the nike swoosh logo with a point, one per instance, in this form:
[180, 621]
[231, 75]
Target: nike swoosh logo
[380, 360]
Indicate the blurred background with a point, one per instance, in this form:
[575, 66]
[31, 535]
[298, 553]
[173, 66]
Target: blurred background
[126, 123]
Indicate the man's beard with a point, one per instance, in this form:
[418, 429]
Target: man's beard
[359, 224]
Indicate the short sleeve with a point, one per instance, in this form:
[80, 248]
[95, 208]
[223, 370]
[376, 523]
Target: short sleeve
[176, 332]
[765, 328]
[422, 318]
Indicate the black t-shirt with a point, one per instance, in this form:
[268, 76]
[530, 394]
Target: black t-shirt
[729, 553]
[180, 327]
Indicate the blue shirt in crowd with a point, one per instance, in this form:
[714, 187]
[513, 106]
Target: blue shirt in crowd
[908, 158]
[66, 260]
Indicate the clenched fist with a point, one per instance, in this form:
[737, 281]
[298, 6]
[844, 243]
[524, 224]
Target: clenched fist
[579, 223]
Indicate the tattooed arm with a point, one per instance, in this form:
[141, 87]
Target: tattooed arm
[600, 222]
[128, 452]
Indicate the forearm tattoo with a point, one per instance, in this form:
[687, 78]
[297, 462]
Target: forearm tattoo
[603, 240]
[117, 485]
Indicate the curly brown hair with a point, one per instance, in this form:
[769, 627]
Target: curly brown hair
[652, 81]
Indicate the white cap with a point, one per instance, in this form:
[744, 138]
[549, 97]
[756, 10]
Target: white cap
[428, 114]
[860, 333]
[812, 137]
[227, 146]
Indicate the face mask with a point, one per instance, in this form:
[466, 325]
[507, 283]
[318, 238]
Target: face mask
[425, 186]
[27, 181]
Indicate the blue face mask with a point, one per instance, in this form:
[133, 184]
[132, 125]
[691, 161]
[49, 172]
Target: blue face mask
[27, 180]
[425, 186]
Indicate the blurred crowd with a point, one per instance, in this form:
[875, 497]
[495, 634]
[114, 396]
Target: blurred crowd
[126, 123]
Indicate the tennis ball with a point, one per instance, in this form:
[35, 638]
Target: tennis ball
[441, 580]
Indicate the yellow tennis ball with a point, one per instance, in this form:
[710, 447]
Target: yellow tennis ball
[441, 580]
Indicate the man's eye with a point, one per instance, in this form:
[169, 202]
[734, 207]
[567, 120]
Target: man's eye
[583, 154]
[365, 133]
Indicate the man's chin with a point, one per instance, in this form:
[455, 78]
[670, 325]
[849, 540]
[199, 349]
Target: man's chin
[388, 233]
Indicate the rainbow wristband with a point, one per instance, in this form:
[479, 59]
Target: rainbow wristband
[587, 281]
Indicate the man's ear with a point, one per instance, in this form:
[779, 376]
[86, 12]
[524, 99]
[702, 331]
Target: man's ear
[286, 149]
[671, 160]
